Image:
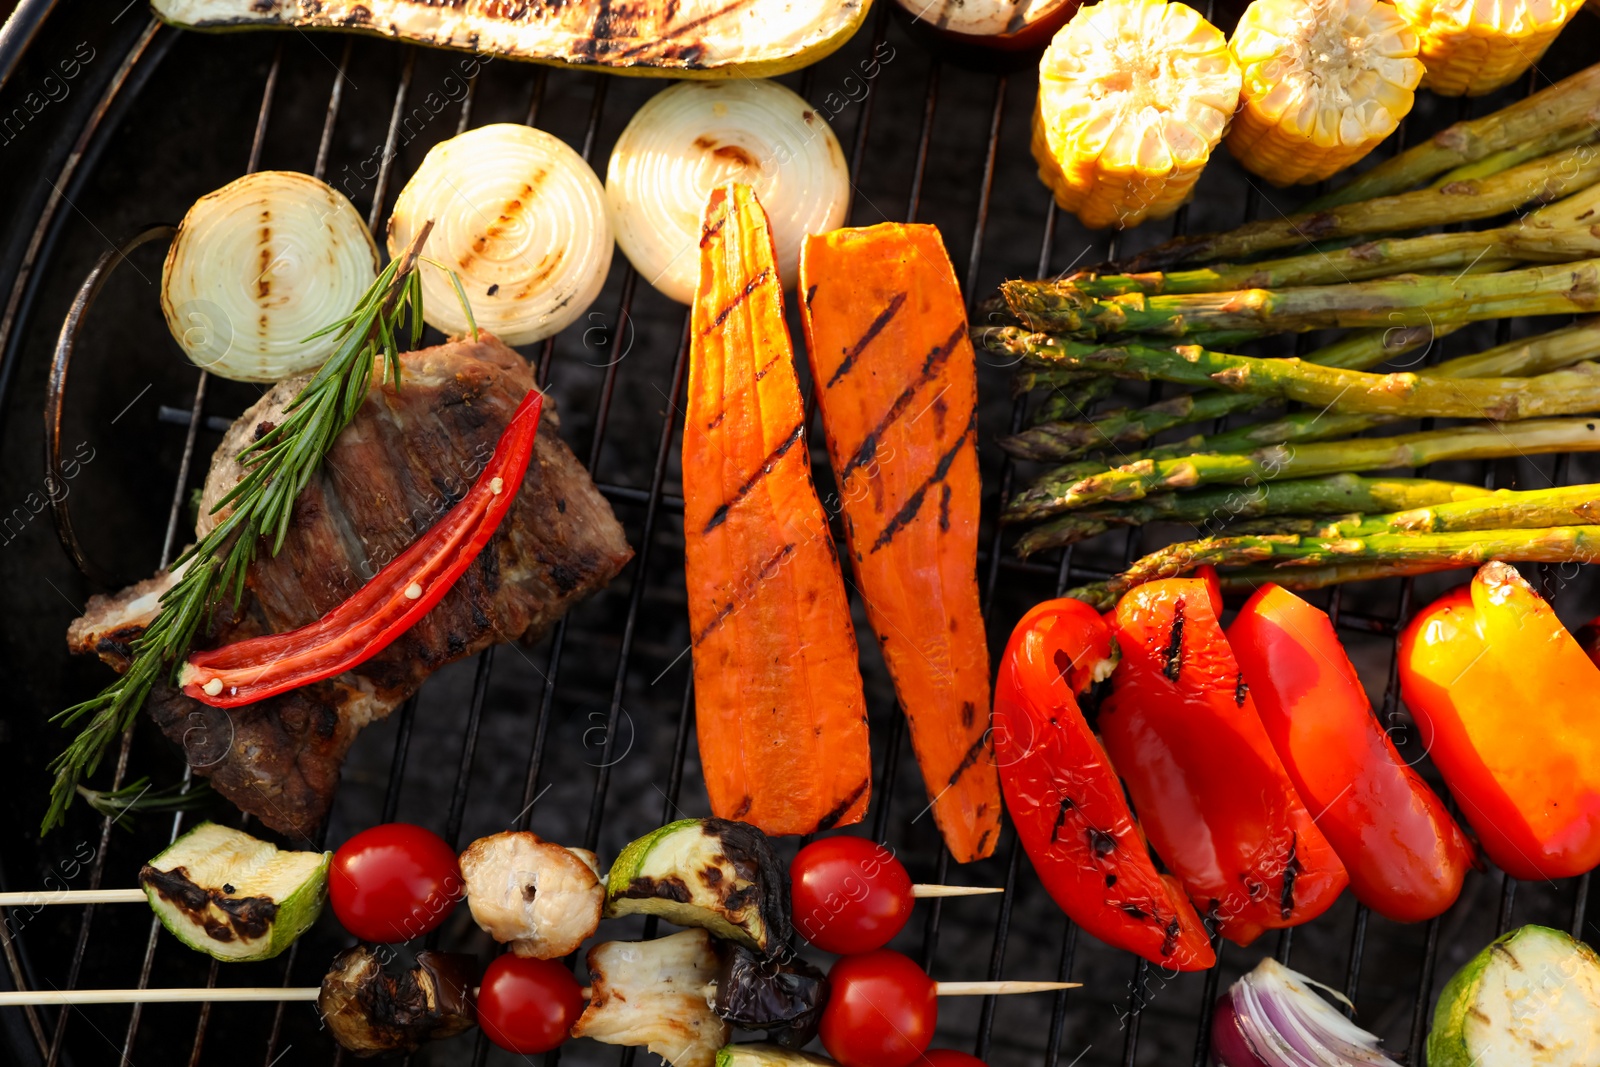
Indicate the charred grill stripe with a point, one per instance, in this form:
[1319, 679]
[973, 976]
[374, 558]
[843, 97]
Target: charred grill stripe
[913, 504]
[720, 516]
[944, 509]
[663, 34]
[931, 366]
[709, 231]
[744, 294]
[874, 328]
[830, 820]
[978, 747]
[766, 368]
[1291, 871]
[810, 295]
[1174, 652]
[768, 569]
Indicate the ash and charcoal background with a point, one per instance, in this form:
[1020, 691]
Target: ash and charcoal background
[183, 124]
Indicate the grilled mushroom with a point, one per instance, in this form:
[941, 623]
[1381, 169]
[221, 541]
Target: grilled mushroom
[653, 993]
[720, 875]
[543, 898]
[785, 998]
[370, 1010]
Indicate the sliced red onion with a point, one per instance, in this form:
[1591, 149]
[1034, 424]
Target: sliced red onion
[1272, 1017]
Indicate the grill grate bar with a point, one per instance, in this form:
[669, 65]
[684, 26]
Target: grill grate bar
[386, 163]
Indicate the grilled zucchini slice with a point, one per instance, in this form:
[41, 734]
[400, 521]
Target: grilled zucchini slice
[233, 896]
[1531, 999]
[712, 873]
[687, 39]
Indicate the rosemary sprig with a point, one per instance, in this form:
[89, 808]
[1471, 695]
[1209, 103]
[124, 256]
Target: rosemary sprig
[137, 797]
[278, 466]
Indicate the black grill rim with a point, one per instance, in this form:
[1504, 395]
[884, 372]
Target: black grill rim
[147, 51]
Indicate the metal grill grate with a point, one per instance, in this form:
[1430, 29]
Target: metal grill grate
[969, 140]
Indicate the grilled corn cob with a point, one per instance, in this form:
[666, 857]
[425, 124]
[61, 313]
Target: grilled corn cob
[1324, 82]
[1133, 96]
[1473, 47]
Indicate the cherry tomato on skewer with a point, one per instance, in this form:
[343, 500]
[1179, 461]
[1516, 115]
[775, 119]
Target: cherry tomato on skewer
[881, 1010]
[849, 894]
[528, 1005]
[949, 1057]
[394, 882]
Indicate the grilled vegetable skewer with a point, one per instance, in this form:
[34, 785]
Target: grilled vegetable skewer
[851, 894]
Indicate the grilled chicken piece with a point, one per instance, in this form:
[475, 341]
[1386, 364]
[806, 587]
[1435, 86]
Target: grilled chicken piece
[654, 993]
[543, 898]
[404, 461]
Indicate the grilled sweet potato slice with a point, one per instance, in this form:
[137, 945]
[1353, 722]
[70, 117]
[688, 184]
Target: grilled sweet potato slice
[778, 701]
[886, 332]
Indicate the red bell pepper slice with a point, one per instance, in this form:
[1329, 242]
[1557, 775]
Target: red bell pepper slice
[1210, 791]
[1065, 799]
[1506, 702]
[386, 607]
[1405, 855]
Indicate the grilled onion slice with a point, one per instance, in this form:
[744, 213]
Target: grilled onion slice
[260, 265]
[691, 138]
[521, 218]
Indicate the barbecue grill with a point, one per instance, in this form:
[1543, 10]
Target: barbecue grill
[588, 736]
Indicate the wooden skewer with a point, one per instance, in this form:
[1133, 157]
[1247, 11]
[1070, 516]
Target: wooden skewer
[155, 996]
[37, 897]
[290, 993]
[920, 891]
[985, 989]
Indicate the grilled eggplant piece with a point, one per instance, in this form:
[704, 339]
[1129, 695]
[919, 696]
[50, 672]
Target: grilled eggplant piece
[544, 898]
[783, 997]
[233, 896]
[653, 993]
[371, 1011]
[686, 39]
[720, 875]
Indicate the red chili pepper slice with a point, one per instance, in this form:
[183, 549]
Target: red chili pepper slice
[1405, 854]
[386, 607]
[1065, 799]
[1210, 791]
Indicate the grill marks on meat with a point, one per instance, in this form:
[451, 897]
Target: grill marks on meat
[405, 460]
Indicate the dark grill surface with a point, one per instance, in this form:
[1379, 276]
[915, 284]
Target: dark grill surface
[586, 738]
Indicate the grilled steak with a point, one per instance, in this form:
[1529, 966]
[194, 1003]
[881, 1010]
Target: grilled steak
[405, 460]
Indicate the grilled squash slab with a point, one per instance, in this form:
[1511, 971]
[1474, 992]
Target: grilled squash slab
[683, 38]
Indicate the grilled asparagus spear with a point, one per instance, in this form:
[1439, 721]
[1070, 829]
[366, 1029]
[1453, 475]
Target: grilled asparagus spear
[1468, 548]
[1405, 300]
[1538, 181]
[1135, 481]
[1337, 494]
